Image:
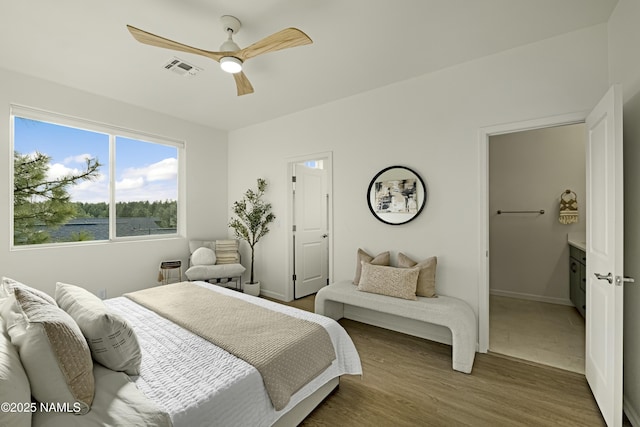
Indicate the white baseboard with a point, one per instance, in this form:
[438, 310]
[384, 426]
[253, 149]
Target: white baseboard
[531, 297]
[631, 413]
[274, 295]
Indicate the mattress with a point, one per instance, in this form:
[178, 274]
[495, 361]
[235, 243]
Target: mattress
[200, 384]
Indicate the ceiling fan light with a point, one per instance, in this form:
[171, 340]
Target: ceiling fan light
[231, 64]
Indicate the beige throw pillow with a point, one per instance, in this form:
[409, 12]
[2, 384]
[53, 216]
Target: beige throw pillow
[53, 351]
[390, 281]
[380, 259]
[427, 278]
[111, 340]
[227, 251]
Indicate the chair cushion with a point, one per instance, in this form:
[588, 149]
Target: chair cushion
[219, 271]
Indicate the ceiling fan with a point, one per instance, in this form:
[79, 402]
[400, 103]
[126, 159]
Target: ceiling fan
[231, 57]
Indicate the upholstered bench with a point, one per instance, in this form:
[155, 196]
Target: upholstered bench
[453, 313]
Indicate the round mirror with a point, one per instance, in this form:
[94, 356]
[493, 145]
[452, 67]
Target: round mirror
[396, 195]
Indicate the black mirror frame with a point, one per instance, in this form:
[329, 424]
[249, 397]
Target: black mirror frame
[413, 175]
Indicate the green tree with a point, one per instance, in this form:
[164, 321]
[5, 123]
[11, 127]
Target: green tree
[39, 201]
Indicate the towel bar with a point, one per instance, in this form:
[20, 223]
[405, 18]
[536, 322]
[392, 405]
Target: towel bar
[500, 212]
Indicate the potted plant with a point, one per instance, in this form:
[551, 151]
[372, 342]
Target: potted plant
[253, 216]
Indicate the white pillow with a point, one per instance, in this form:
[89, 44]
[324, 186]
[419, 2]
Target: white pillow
[53, 351]
[203, 256]
[14, 384]
[118, 402]
[8, 285]
[111, 340]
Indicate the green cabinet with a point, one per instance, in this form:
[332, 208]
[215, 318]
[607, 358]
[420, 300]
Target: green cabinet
[578, 278]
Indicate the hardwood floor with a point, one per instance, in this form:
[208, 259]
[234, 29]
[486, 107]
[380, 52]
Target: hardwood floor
[408, 381]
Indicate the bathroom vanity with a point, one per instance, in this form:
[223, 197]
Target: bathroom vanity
[577, 273]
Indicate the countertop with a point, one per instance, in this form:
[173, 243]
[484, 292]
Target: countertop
[578, 240]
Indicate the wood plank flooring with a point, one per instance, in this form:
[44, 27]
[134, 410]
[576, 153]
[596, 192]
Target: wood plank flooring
[408, 381]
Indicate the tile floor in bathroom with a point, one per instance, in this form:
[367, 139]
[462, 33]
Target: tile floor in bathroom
[545, 333]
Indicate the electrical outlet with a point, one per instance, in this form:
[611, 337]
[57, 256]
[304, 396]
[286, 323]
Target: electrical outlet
[102, 293]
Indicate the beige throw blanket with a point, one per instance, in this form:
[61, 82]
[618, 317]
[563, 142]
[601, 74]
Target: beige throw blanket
[288, 352]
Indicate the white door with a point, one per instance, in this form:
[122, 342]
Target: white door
[603, 352]
[311, 268]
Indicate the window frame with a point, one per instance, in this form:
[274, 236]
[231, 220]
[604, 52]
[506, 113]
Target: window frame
[113, 133]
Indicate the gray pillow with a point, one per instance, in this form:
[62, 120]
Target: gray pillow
[112, 341]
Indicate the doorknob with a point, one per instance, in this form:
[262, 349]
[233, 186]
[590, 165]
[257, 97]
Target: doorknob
[608, 277]
[620, 280]
[324, 236]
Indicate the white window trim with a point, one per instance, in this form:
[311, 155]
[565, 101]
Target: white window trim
[112, 131]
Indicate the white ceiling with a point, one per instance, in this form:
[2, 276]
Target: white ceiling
[358, 46]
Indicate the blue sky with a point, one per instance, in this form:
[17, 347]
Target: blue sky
[144, 171]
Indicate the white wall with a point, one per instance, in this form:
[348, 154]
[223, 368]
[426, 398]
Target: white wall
[430, 124]
[624, 67]
[118, 267]
[529, 171]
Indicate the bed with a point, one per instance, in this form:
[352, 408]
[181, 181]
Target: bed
[185, 380]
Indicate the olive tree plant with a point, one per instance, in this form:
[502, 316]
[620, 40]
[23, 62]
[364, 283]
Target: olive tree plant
[253, 216]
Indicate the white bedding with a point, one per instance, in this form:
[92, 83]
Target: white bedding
[199, 384]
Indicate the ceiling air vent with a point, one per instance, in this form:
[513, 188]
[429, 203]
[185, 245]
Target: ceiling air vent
[182, 68]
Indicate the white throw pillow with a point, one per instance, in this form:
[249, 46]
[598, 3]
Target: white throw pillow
[112, 341]
[203, 256]
[53, 351]
[14, 384]
[8, 285]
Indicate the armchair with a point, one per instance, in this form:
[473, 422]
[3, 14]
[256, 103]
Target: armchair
[215, 261]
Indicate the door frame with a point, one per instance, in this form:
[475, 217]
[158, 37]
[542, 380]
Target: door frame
[327, 158]
[484, 134]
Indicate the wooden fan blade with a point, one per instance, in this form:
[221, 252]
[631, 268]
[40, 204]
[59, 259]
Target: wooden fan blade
[243, 84]
[289, 37]
[158, 41]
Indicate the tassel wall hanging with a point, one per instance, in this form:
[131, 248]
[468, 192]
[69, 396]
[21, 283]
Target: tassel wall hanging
[568, 207]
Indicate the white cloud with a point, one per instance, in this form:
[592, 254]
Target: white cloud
[58, 170]
[166, 169]
[130, 183]
[80, 158]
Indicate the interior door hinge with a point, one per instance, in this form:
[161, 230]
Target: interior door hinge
[294, 229]
[294, 277]
[293, 178]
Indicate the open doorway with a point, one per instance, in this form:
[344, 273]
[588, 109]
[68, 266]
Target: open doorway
[524, 277]
[310, 201]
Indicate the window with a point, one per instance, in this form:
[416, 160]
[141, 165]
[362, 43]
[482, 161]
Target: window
[76, 180]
